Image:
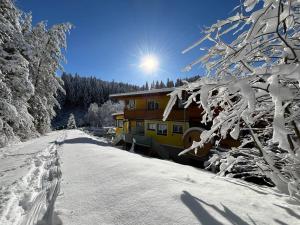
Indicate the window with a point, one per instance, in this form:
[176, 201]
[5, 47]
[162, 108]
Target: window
[120, 123]
[151, 126]
[139, 123]
[177, 128]
[152, 105]
[162, 129]
[131, 104]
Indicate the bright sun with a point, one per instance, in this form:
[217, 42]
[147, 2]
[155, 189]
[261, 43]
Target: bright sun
[149, 63]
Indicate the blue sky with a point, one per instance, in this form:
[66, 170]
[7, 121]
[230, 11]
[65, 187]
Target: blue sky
[111, 36]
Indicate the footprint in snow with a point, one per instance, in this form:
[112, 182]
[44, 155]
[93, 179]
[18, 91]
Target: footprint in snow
[186, 180]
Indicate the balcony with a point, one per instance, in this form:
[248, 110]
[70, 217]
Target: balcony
[176, 114]
[143, 114]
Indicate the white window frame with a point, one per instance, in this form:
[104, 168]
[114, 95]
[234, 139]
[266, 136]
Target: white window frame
[153, 128]
[164, 132]
[155, 105]
[177, 131]
[140, 123]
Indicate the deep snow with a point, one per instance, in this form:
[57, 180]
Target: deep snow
[27, 177]
[105, 185]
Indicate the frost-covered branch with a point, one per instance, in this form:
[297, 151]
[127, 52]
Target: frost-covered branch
[254, 83]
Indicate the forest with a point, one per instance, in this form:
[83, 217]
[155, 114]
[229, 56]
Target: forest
[81, 91]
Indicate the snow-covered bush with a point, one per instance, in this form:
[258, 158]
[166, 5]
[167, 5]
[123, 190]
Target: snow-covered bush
[92, 116]
[106, 110]
[252, 88]
[102, 116]
[71, 122]
[242, 164]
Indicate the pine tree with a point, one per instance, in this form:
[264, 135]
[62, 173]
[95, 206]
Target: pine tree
[152, 85]
[178, 82]
[171, 84]
[156, 85]
[147, 86]
[162, 84]
[71, 122]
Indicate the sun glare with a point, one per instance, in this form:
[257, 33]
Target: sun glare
[149, 63]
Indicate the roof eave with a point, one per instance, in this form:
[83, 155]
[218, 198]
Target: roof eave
[142, 93]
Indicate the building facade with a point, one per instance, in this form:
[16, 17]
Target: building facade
[142, 121]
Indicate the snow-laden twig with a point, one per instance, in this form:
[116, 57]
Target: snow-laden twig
[254, 83]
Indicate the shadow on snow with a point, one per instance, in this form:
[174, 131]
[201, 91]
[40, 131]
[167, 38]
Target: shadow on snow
[289, 211]
[204, 217]
[85, 140]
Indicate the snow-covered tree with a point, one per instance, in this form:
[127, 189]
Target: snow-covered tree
[102, 116]
[15, 86]
[252, 88]
[71, 122]
[29, 59]
[92, 116]
[44, 60]
[106, 110]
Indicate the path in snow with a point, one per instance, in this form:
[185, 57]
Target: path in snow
[105, 185]
[28, 178]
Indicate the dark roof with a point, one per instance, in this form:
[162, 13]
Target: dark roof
[147, 92]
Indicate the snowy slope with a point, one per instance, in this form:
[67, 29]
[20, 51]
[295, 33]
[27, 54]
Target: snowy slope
[105, 185]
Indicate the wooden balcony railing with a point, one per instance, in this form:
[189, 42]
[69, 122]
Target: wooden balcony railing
[176, 114]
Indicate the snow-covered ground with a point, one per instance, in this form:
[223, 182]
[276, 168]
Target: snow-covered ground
[105, 185]
[24, 172]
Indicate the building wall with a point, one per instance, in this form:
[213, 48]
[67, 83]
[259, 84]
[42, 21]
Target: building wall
[119, 130]
[141, 113]
[132, 124]
[126, 127]
[171, 139]
[141, 101]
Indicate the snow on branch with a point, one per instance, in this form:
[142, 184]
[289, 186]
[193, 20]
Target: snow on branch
[254, 82]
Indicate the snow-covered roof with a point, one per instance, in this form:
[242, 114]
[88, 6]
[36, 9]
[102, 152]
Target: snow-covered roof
[117, 113]
[147, 92]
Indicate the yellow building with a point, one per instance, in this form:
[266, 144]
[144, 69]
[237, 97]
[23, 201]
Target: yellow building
[141, 122]
[119, 122]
